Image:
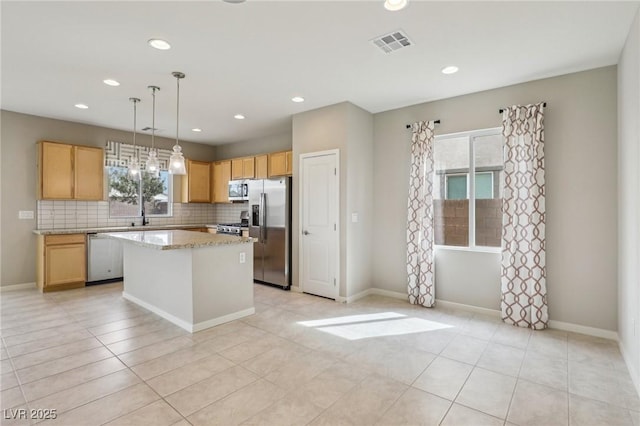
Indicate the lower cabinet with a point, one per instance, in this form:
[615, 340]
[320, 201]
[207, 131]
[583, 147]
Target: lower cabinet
[62, 262]
[196, 229]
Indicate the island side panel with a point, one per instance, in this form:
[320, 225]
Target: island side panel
[222, 286]
[160, 280]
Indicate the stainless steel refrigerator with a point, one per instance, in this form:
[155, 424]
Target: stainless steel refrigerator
[270, 224]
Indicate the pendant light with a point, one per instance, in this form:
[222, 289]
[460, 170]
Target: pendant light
[134, 164]
[152, 164]
[176, 161]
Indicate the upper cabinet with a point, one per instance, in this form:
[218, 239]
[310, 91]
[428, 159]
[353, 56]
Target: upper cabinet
[281, 163]
[221, 177]
[261, 166]
[196, 184]
[70, 172]
[242, 168]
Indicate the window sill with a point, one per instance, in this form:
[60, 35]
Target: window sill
[496, 250]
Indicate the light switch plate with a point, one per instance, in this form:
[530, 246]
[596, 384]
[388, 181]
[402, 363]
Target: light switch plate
[354, 217]
[25, 214]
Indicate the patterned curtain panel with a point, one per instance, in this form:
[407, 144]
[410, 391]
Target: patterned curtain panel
[119, 154]
[524, 290]
[420, 217]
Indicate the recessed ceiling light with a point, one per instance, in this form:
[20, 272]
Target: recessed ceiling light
[81, 106]
[233, 1]
[394, 5]
[297, 99]
[159, 44]
[110, 82]
[196, 130]
[451, 69]
[239, 117]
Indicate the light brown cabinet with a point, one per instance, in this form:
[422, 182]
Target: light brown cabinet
[196, 184]
[70, 172]
[242, 168]
[61, 262]
[281, 163]
[221, 177]
[262, 166]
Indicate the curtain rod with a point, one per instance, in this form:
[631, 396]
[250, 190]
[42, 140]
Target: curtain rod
[501, 110]
[434, 122]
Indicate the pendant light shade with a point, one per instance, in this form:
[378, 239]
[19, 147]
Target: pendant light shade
[134, 164]
[176, 161]
[152, 164]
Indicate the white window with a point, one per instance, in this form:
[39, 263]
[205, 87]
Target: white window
[126, 193]
[467, 193]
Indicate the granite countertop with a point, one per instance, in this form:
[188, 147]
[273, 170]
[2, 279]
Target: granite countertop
[116, 229]
[176, 239]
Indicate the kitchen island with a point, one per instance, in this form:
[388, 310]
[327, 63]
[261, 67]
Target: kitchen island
[193, 279]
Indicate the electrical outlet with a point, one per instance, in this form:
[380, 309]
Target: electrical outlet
[25, 214]
[243, 257]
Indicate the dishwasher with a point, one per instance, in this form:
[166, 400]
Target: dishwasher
[104, 259]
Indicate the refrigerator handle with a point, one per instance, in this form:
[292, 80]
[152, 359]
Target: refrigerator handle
[263, 228]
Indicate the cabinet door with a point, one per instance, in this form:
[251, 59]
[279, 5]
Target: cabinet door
[261, 166]
[56, 171]
[65, 264]
[221, 177]
[277, 164]
[236, 168]
[88, 168]
[248, 168]
[198, 181]
[289, 158]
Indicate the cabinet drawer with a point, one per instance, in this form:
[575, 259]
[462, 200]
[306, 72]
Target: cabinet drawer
[64, 239]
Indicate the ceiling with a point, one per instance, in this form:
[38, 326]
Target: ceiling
[251, 58]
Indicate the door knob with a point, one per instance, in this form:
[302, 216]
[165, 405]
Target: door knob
[305, 232]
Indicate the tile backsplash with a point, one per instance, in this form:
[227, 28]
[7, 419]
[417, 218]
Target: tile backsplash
[95, 214]
[230, 213]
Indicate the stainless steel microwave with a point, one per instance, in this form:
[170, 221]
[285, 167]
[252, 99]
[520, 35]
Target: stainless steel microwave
[238, 190]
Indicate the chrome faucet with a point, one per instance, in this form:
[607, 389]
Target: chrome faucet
[144, 220]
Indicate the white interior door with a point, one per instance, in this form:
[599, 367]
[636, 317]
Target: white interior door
[319, 236]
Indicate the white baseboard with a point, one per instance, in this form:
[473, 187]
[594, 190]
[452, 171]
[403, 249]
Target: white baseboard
[372, 291]
[221, 320]
[635, 374]
[389, 293]
[558, 325]
[583, 329]
[186, 325]
[468, 308]
[14, 287]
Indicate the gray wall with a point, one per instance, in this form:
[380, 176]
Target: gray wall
[581, 172]
[254, 147]
[19, 135]
[319, 130]
[348, 128]
[629, 201]
[359, 177]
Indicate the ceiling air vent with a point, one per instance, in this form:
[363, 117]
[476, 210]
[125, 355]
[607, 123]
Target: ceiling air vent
[148, 129]
[393, 41]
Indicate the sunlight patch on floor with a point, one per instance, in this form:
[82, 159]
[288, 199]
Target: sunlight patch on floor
[365, 326]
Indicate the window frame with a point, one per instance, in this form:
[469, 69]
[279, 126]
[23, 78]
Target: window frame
[140, 198]
[471, 187]
[490, 173]
[446, 184]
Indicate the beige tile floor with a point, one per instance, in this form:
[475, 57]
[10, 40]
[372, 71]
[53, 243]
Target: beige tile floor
[98, 359]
